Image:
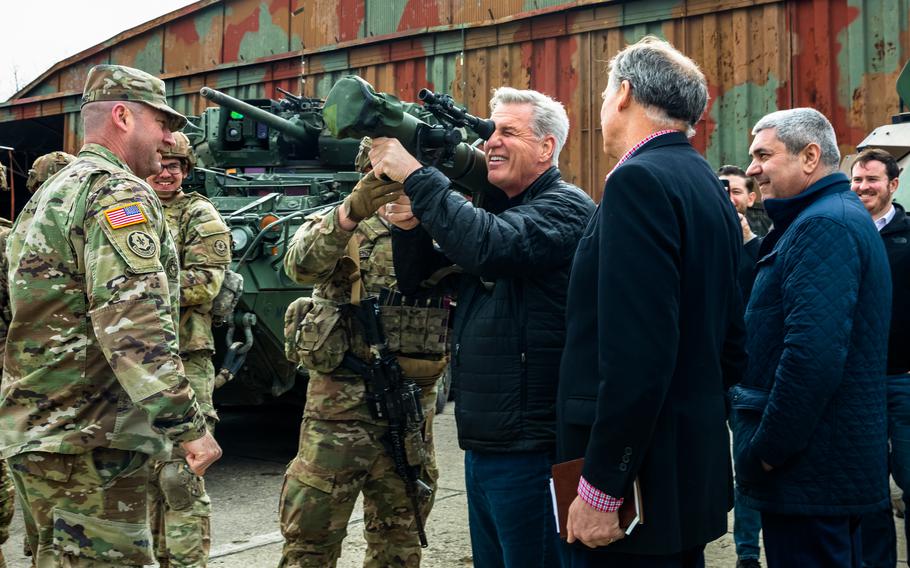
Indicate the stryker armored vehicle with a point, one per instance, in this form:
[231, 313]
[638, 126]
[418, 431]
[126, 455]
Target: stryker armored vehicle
[266, 165]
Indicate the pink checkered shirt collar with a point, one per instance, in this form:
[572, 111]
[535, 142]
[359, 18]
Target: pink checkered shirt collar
[635, 148]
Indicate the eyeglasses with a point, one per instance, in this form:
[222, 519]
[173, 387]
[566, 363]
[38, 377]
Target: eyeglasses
[173, 167]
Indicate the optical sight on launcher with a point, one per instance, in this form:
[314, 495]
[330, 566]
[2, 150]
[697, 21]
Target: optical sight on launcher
[353, 109]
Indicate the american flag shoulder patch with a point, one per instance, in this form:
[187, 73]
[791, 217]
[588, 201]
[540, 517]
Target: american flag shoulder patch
[125, 215]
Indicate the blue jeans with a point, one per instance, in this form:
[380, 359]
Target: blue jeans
[746, 526]
[510, 511]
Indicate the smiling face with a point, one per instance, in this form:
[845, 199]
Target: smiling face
[778, 173]
[740, 195]
[146, 140]
[870, 182]
[515, 156]
[168, 181]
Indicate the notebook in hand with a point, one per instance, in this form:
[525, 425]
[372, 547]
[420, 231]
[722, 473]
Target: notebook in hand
[564, 489]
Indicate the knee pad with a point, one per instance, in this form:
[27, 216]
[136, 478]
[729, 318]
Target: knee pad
[179, 486]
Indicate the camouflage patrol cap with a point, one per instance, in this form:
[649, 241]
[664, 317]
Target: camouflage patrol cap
[3, 184]
[362, 161]
[44, 167]
[120, 83]
[182, 150]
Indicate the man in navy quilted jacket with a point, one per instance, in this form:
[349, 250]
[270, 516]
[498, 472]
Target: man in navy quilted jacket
[810, 442]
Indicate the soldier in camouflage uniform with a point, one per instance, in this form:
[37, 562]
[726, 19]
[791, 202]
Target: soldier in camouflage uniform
[7, 494]
[46, 166]
[181, 509]
[42, 168]
[93, 385]
[340, 455]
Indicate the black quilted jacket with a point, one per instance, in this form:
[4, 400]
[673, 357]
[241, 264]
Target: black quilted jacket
[509, 324]
[896, 236]
[813, 401]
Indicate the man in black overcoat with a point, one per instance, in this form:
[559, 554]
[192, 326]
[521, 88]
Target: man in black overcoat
[654, 327]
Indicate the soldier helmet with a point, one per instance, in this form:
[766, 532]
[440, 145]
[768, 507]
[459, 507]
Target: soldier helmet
[3, 182]
[44, 167]
[183, 151]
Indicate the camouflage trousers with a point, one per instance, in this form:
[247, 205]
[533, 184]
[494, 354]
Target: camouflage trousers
[87, 509]
[180, 508]
[335, 462]
[7, 506]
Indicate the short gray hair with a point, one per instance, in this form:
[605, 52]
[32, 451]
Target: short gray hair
[549, 116]
[668, 84]
[799, 127]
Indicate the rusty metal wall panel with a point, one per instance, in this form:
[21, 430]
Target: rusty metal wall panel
[385, 17]
[487, 10]
[254, 29]
[847, 55]
[72, 79]
[841, 56]
[328, 22]
[142, 52]
[747, 76]
[49, 87]
[194, 42]
[72, 133]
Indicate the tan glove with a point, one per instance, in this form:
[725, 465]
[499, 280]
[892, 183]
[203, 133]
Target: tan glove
[369, 195]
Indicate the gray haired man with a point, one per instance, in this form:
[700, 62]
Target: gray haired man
[809, 418]
[509, 324]
[655, 327]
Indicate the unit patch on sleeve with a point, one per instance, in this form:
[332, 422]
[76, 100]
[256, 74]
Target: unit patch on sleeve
[142, 244]
[124, 216]
[220, 247]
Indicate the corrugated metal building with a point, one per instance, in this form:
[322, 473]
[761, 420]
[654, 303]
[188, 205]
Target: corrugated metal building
[839, 56]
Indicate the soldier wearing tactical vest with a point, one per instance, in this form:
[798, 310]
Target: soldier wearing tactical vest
[42, 168]
[346, 253]
[93, 386]
[7, 493]
[182, 511]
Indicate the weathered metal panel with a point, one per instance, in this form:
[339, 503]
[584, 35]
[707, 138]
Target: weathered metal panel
[381, 17]
[142, 52]
[476, 11]
[72, 79]
[48, 88]
[298, 24]
[328, 22]
[72, 133]
[747, 76]
[194, 42]
[744, 47]
[254, 29]
[841, 56]
[385, 17]
[847, 55]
